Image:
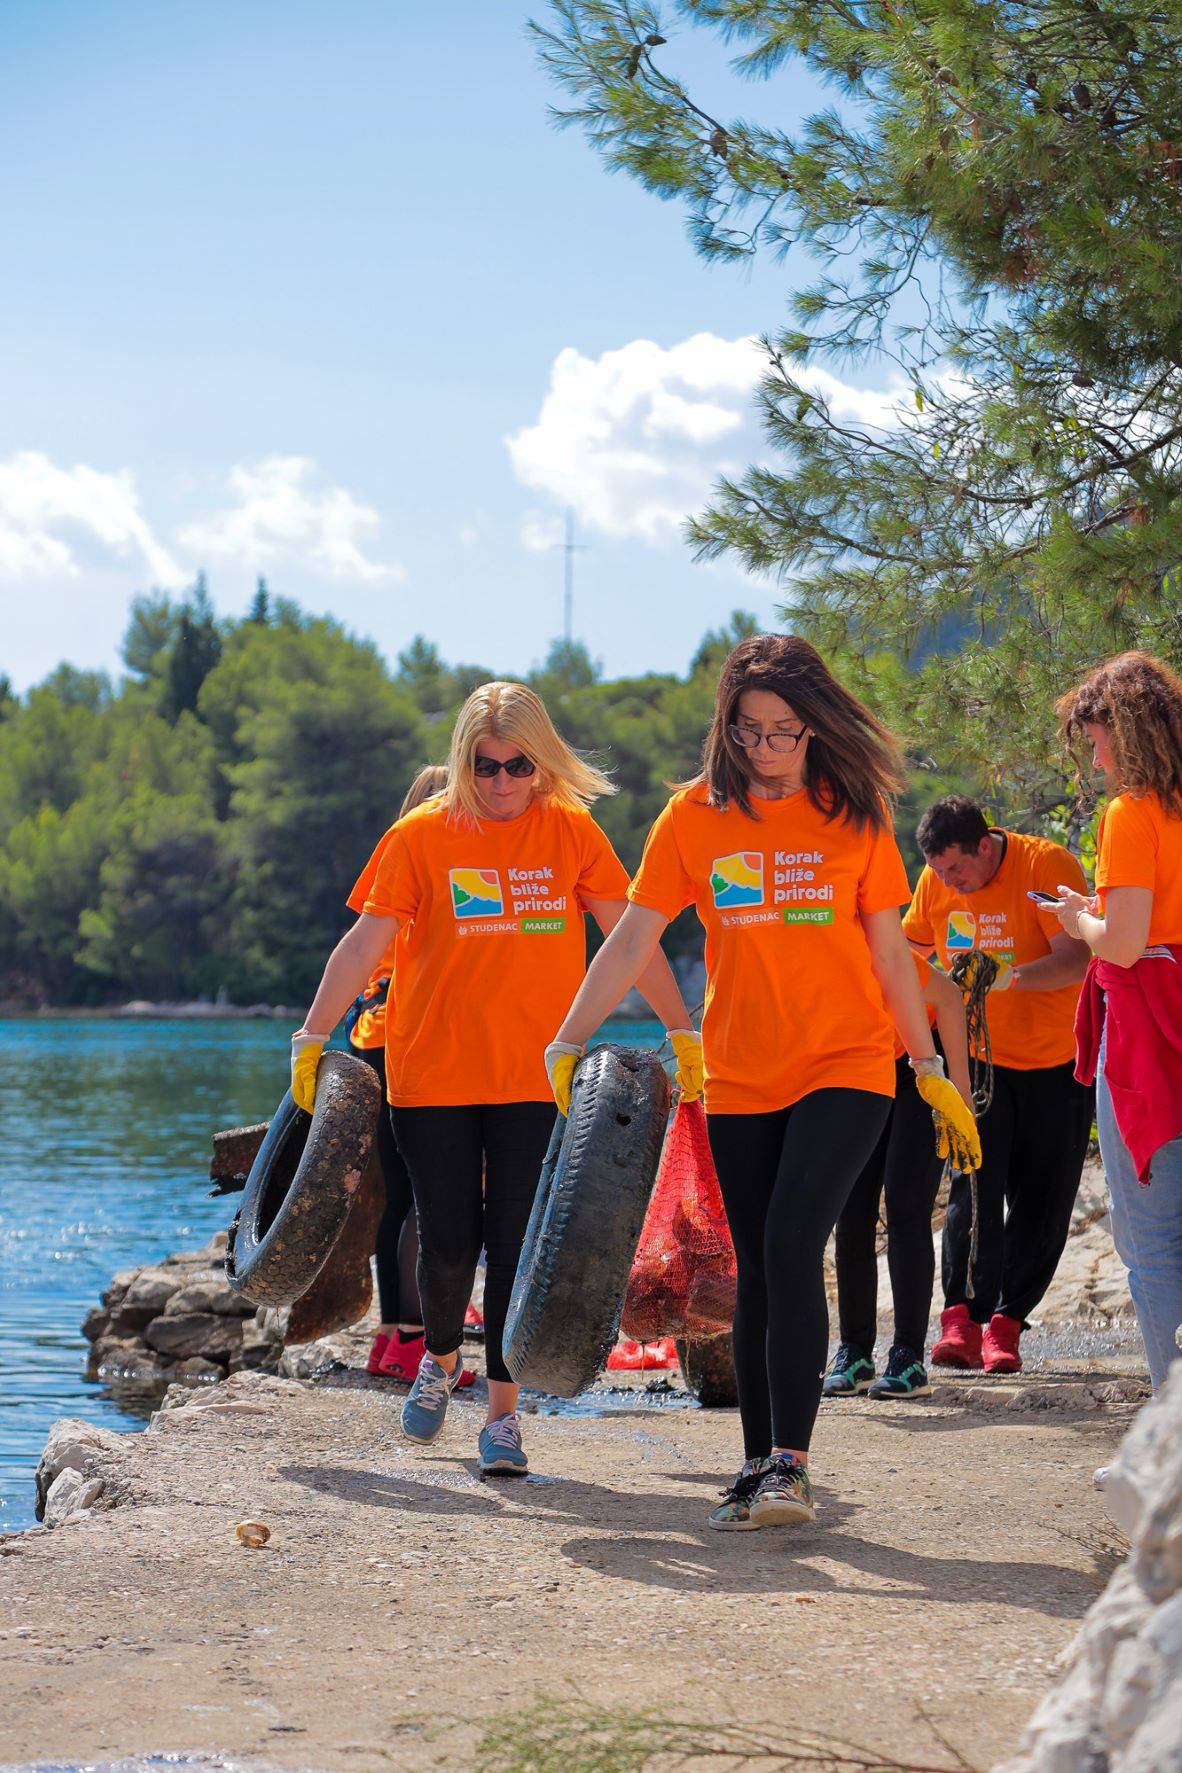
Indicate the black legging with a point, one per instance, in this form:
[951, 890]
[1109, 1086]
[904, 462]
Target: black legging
[475, 1172]
[396, 1251]
[784, 1178]
[1034, 1138]
[904, 1164]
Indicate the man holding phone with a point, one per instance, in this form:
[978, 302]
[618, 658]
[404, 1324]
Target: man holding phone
[981, 888]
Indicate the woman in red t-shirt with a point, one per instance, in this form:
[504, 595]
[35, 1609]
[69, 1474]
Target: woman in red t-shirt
[784, 844]
[1129, 710]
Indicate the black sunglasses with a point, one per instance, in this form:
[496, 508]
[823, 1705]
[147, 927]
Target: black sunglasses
[488, 767]
[748, 737]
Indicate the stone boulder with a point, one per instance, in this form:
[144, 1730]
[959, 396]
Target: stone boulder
[81, 1448]
[205, 1333]
[209, 1290]
[144, 1299]
[1119, 1707]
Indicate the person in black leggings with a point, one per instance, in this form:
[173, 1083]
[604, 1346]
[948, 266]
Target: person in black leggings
[906, 1167]
[398, 1344]
[785, 847]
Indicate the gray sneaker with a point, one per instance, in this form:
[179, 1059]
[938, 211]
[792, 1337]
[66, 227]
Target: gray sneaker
[426, 1401]
[500, 1446]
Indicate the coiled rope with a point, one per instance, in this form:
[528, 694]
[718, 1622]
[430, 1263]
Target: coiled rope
[975, 972]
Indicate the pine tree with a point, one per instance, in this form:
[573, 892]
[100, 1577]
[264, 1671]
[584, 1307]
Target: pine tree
[995, 205]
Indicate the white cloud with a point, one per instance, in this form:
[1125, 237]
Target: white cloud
[541, 531]
[634, 439]
[279, 513]
[54, 521]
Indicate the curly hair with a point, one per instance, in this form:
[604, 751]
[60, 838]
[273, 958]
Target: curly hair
[853, 767]
[1139, 700]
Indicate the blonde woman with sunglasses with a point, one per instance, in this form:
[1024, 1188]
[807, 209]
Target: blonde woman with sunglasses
[491, 880]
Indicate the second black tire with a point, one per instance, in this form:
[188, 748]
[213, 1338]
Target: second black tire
[302, 1184]
[586, 1221]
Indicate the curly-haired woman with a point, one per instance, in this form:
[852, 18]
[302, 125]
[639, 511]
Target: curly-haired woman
[1129, 1027]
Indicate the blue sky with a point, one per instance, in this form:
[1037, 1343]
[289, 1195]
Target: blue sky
[318, 292]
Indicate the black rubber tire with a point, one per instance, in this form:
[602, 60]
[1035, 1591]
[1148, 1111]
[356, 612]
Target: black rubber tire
[303, 1183]
[708, 1370]
[586, 1221]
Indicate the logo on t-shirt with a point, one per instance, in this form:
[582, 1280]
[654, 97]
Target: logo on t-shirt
[962, 931]
[737, 880]
[476, 892]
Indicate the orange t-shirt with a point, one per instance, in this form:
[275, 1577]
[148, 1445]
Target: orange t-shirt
[792, 1003]
[1139, 844]
[1027, 1029]
[495, 949]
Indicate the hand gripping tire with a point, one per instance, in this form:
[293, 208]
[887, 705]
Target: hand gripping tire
[303, 1183]
[582, 1235]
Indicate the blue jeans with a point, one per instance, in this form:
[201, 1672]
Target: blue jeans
[1147, 1231]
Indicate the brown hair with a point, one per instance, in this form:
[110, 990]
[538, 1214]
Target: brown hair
[431, 779]
[1139, 700]
[853, 767]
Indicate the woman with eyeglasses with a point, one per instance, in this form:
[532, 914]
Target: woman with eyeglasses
[490, 880]
[784, 845]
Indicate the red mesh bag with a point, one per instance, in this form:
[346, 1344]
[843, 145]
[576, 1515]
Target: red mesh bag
[683, 1277]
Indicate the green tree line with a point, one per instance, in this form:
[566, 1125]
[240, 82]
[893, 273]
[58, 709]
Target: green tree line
[193, 829]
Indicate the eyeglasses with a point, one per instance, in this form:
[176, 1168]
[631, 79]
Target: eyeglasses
[489, 768]
[749, 736]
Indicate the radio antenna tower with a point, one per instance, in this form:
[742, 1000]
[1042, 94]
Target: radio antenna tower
[569, 549]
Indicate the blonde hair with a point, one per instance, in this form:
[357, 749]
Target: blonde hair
[431, 779]
[514, 713]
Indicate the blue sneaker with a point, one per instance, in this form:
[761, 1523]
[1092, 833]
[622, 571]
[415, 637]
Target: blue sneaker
[500, 1446]
[851, 1373]
[905, 1375]
[426, 1401]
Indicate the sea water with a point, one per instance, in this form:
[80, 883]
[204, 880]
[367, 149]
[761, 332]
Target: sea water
[105, 1129]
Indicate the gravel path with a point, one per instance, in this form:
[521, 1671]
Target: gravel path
[401, 1598]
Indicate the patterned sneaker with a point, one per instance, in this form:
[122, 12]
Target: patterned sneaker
[905, 1375]
[733, 1514]
[426, 1401]
[850, 1374]
[500, 1446]
[785, 1494]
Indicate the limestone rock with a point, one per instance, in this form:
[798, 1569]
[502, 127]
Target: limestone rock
[195, 1332]
[1119, 1708]
[209, 1290]
[70, 1494]
[115, 1289]
[73, 1445]
[144, 1299]
[96, 1323]
[116, 1358]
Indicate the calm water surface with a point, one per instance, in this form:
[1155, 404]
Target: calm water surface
[105, 1132]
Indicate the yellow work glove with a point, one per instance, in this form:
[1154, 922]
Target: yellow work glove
[691, 1073]
[956, 1130]
[561, 1059]
[305, 1057]
[1006, 975]
[966, 972]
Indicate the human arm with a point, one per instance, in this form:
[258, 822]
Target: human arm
[656, 983]
[348, 967]
[1066, 964]
[894, 969]
[946, 1000]
[1120, 935]
[625, 955]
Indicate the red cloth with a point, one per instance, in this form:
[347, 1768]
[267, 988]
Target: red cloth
[1143, 1054]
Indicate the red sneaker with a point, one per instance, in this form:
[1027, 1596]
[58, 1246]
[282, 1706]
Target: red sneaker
[401, 1359]
[380, 1344]
[401, 1363]
[999, 1346]
[473, 1323]
[959, 1344]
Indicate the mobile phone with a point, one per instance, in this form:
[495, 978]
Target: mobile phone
[1043, 898]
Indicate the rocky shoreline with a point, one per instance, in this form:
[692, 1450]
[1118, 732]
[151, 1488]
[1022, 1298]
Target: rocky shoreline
[179, 1321]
